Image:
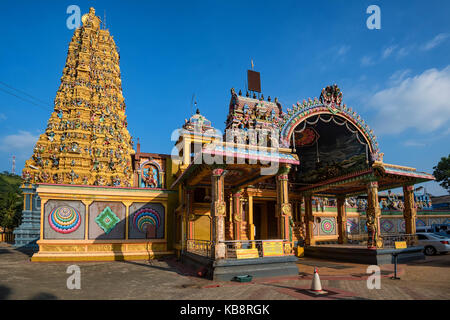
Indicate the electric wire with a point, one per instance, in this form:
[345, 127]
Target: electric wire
[37, 102]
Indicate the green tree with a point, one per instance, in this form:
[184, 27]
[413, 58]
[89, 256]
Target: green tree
[11, 200]
[11, 206]
[442, 172]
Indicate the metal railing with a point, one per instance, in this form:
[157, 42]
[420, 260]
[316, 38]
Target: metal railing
[389, 240]
[358, 238]
[200, 247]
[233, 245]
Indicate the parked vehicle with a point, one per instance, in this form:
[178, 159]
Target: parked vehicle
[441, 229]
[433, 243]
[425, 229]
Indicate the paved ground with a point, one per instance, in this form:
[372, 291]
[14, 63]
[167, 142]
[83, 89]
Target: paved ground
[167, 279]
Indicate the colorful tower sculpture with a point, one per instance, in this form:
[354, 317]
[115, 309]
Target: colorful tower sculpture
[86, 141]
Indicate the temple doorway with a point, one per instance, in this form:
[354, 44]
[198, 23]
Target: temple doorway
[264, 220]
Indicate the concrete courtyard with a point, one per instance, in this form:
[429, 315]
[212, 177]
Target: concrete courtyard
[167, 279]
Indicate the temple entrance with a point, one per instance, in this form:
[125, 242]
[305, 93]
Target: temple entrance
[259, 219]
[264, 220]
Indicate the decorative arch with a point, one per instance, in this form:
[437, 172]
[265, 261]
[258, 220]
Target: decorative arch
[152, 162]
[301, 112]
[153, 179]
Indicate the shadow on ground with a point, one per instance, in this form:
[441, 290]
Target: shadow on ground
[5, 294]
[441, 261]
[173, 265]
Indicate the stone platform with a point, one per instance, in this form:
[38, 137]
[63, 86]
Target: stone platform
[227, 269]
[360, 254]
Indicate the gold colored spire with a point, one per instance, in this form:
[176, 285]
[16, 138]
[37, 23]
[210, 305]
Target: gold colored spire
[86, 140]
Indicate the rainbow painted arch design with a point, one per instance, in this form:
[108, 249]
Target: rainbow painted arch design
[64, 219]
[146, 216]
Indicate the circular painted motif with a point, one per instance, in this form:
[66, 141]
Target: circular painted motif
[327, 226]
[64, 219]
[145, 216]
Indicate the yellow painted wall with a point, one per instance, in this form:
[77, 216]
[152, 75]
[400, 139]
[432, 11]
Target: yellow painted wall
[202, 228]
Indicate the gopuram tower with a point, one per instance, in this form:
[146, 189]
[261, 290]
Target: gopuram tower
[86, 141]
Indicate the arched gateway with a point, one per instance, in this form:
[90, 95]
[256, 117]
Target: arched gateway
[325, 156]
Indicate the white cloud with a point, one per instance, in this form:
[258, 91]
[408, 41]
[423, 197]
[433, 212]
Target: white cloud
[414, 143]
[403, 52]
[2, 116]
[399, 76]
[421, 102]
[388, 51]
[367, 61]
[343, 50]
[20, 143]
[437, 40]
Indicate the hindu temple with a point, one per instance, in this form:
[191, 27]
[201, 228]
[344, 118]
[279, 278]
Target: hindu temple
[280, 182]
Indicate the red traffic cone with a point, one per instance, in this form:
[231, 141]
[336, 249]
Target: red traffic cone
[316, 286]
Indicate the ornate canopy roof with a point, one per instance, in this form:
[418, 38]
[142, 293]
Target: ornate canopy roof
[330, 104]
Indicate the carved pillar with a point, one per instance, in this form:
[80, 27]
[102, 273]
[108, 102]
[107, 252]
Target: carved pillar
[237, 215]
[229, 222]
[341, 219]
[251, 226]
[218, 212]
[373, 214]
[309, 221]
[284, 208]
[409, 210]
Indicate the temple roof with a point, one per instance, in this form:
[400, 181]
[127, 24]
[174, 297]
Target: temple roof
[389, 176]
[197, 123]
[245, 164]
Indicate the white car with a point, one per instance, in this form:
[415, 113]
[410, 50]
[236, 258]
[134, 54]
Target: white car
[433, 243]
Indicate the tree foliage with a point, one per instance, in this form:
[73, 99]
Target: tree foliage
[442, 172]
[11, 200]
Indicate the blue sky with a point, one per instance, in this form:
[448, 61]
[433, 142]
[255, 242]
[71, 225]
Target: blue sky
[397, 78]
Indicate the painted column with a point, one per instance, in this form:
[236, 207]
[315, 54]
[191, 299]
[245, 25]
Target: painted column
[86, 203]
[341, 220]
[186, 152]
[284, 208]
[250, 220]
[237, 215]
[373, 214]
[229, 222]
[190, 214]
[309, 221]
[409, 210]
[183, 221]
[218, 212]
[127, 218]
